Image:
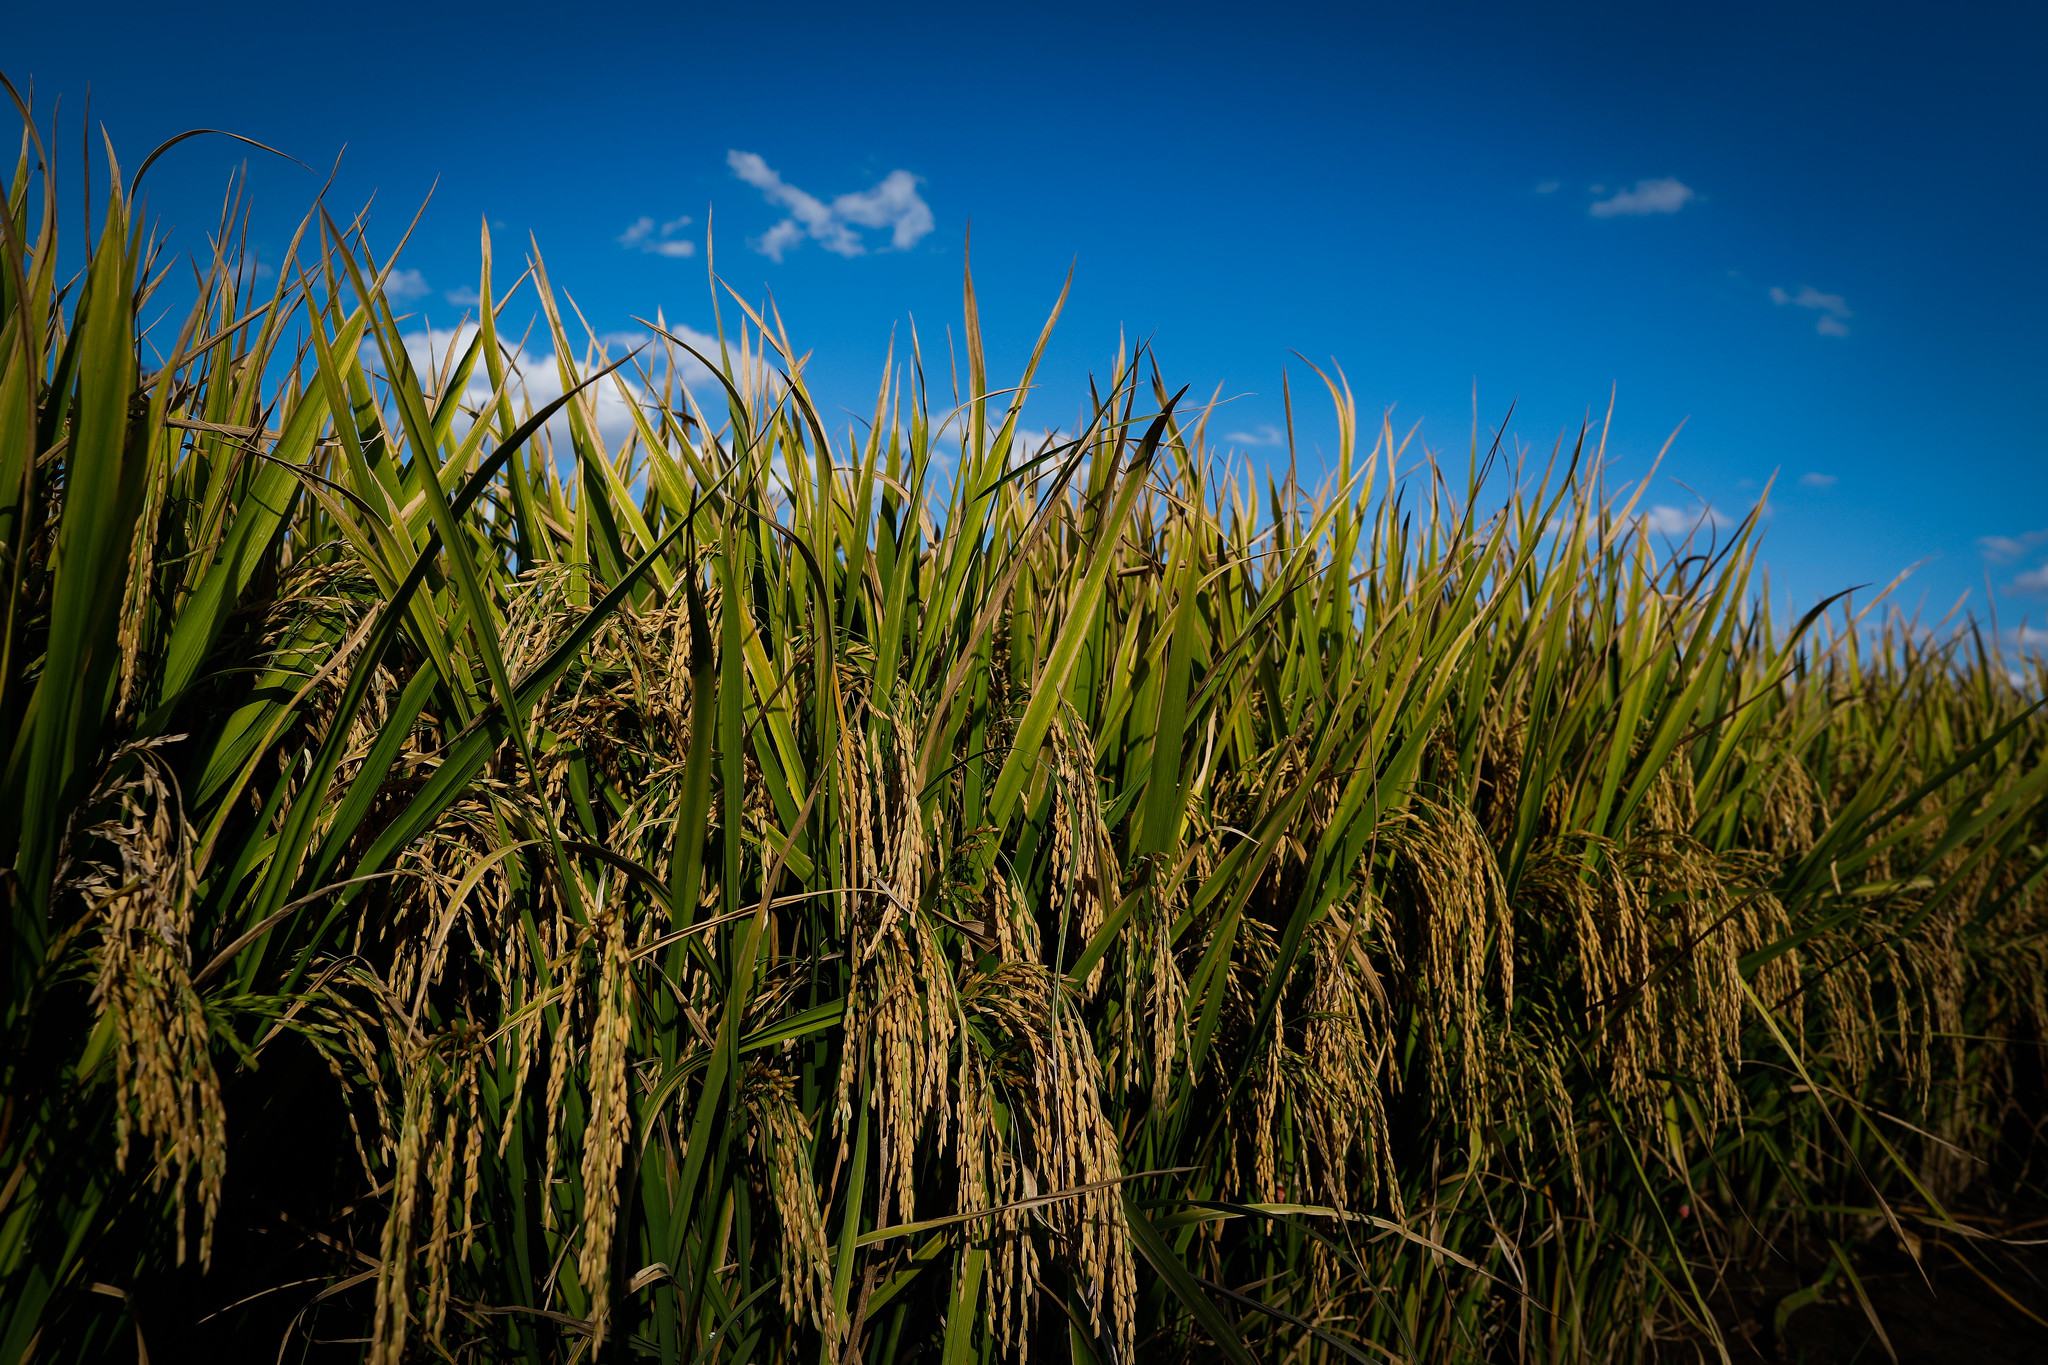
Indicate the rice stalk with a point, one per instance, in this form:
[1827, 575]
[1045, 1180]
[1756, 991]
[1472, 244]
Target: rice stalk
[727, 888]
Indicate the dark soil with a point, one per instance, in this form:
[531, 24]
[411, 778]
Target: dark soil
[1989, 1310]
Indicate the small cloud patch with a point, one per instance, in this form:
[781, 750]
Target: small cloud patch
[1666, 194]
[644, 234]
[1833, 308]
[2034, 582]
[2005, 550]
[252, 272]
[403, 286]
[1548, 187]
[1814, 479]
[1678, 522]
[1266, 435]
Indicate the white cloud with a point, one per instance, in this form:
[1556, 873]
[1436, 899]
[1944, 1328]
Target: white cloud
[402, 286]
[1809, 297]
[2030, 637]
[1664, 195]
[654, 353]
[1548, 187]
[539, 380]
[1814, 479]
[807, 212]
[892, 203]
[1266, 435]
[780, 238]
[1663, 520]
[2011, 549]
[464, 297]
[1831, 307]
[658, 239]
[2006, 549]
[2033, 582]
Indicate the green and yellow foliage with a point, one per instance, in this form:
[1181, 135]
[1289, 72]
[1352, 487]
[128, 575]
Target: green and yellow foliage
[744, 892]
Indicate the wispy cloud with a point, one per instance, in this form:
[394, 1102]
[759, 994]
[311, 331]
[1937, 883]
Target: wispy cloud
[1548, 187]
[403, 286]
[252, 272]
[1266, 435]
[658, 239]
[1815, 479]
[892, 203]
[2006, 549]
[1831, 307]
[463, 297]
[1664, 195]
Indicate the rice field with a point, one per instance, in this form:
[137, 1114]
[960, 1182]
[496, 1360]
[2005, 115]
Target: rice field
[764, 888]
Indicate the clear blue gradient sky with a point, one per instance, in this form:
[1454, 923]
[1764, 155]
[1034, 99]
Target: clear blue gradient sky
[1814, 233]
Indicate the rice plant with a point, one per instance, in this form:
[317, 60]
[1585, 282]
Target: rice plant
[755, 891]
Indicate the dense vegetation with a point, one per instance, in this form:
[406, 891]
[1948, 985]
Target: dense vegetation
[480, 890]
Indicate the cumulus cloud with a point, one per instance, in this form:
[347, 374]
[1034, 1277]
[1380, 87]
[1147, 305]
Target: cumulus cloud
[1831, 307]
[403, 286]
[540, 380]
[1815, 479]
[2030, 637]
[658, 239]
[1663, 195]
[1266, 435]
[2034, 582]
[892, 203]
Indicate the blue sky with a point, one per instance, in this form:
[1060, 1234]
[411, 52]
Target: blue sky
[1812, 233]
